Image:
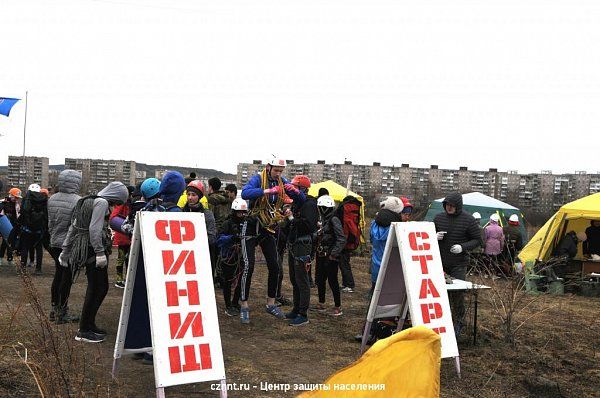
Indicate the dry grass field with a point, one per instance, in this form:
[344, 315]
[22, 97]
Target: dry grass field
[555, 352]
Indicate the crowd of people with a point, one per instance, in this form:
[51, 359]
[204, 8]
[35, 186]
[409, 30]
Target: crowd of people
[270, 211]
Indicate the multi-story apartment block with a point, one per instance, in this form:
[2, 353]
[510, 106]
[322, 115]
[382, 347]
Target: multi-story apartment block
[97, 173]
[26, 170]
[542, 192]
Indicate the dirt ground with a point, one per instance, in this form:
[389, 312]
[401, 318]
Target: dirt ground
[556, 351]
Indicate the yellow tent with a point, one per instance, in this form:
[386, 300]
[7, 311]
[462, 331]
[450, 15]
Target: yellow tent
[407, 364]
[574, 216]
[338, 193]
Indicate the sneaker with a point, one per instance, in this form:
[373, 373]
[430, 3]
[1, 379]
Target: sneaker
[37, 272]
[337, 311]
[232, 311]
[282, 300]
[320, 308]
[148, 359]
[70, 318]
[291, 315]
[347, 290]
[120, 284]
[275, 311]
[89, 337]
[1, 261]
[299, 321]
[52, 315]
[98, 331]
[245, 315]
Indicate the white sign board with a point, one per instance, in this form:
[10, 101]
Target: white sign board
[183, 314]
[424, 280]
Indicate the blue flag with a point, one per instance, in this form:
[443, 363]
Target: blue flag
[6, 105]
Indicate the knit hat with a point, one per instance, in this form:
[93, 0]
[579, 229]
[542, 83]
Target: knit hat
[392, 203]
[171, 186]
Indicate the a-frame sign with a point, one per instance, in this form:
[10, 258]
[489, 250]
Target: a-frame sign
[169, 305]
[411, 279]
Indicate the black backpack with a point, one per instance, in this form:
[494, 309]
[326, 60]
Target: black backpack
[34, 211]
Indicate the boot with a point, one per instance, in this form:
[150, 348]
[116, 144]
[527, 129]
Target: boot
[63, 316]
[53, 312]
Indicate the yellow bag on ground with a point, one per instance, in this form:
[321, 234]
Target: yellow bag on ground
[406, 364]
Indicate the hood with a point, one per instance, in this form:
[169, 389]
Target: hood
[219, 197]
[69, 181]
[172, 186]
[115, 192]
[385, 217]
[455, 199]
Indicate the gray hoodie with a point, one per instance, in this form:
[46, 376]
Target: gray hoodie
[61, 205]
[114, 193]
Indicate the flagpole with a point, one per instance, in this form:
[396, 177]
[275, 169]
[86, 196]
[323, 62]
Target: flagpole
[25, 125]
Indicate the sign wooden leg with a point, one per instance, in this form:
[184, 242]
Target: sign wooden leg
[223, 393]
[457, 366]
[115, 368]
[402, 319]
[365, 336]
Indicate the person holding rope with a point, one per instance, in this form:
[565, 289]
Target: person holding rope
[303, 224]
[88, 245]
[266, 192]
[229, 244]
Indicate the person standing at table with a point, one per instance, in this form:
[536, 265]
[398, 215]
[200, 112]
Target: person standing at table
[457, 233]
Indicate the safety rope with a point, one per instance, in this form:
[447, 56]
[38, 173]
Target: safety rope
[268, 214]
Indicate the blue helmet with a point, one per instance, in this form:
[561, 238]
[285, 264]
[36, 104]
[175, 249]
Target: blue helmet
[150, 188]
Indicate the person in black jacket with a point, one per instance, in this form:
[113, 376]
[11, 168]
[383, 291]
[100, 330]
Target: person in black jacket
[457, 233]
[228, 242]
[566, 251]
[303, 224]
[33, 221]
[592, 244]
[330, 242]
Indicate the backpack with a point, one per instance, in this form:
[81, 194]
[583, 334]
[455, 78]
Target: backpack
[34, 212]
[349, 214]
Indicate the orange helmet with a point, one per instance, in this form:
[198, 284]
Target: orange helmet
[197, 186]
[15, 192]
[301, 181]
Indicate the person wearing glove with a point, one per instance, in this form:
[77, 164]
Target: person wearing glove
[457, 233]
[60, 209]
[265, 192]
[87, 245]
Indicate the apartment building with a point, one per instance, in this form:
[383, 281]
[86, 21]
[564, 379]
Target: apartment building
[97, 173]
[543, 192]
[23, 171]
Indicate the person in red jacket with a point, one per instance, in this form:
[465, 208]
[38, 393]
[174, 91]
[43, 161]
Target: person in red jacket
[121, 240]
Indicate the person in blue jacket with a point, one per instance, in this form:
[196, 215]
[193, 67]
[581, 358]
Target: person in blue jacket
[266, 192]
[391, 211]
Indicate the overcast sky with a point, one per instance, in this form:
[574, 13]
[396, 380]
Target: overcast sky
[508, 84]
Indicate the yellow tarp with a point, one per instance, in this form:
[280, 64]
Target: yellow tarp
[338, 193]
[407, 364]
[574, 216]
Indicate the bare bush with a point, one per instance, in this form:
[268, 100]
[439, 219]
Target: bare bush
[58, 365]
[510, 303]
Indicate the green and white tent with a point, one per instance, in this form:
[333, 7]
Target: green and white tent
[484, 205]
